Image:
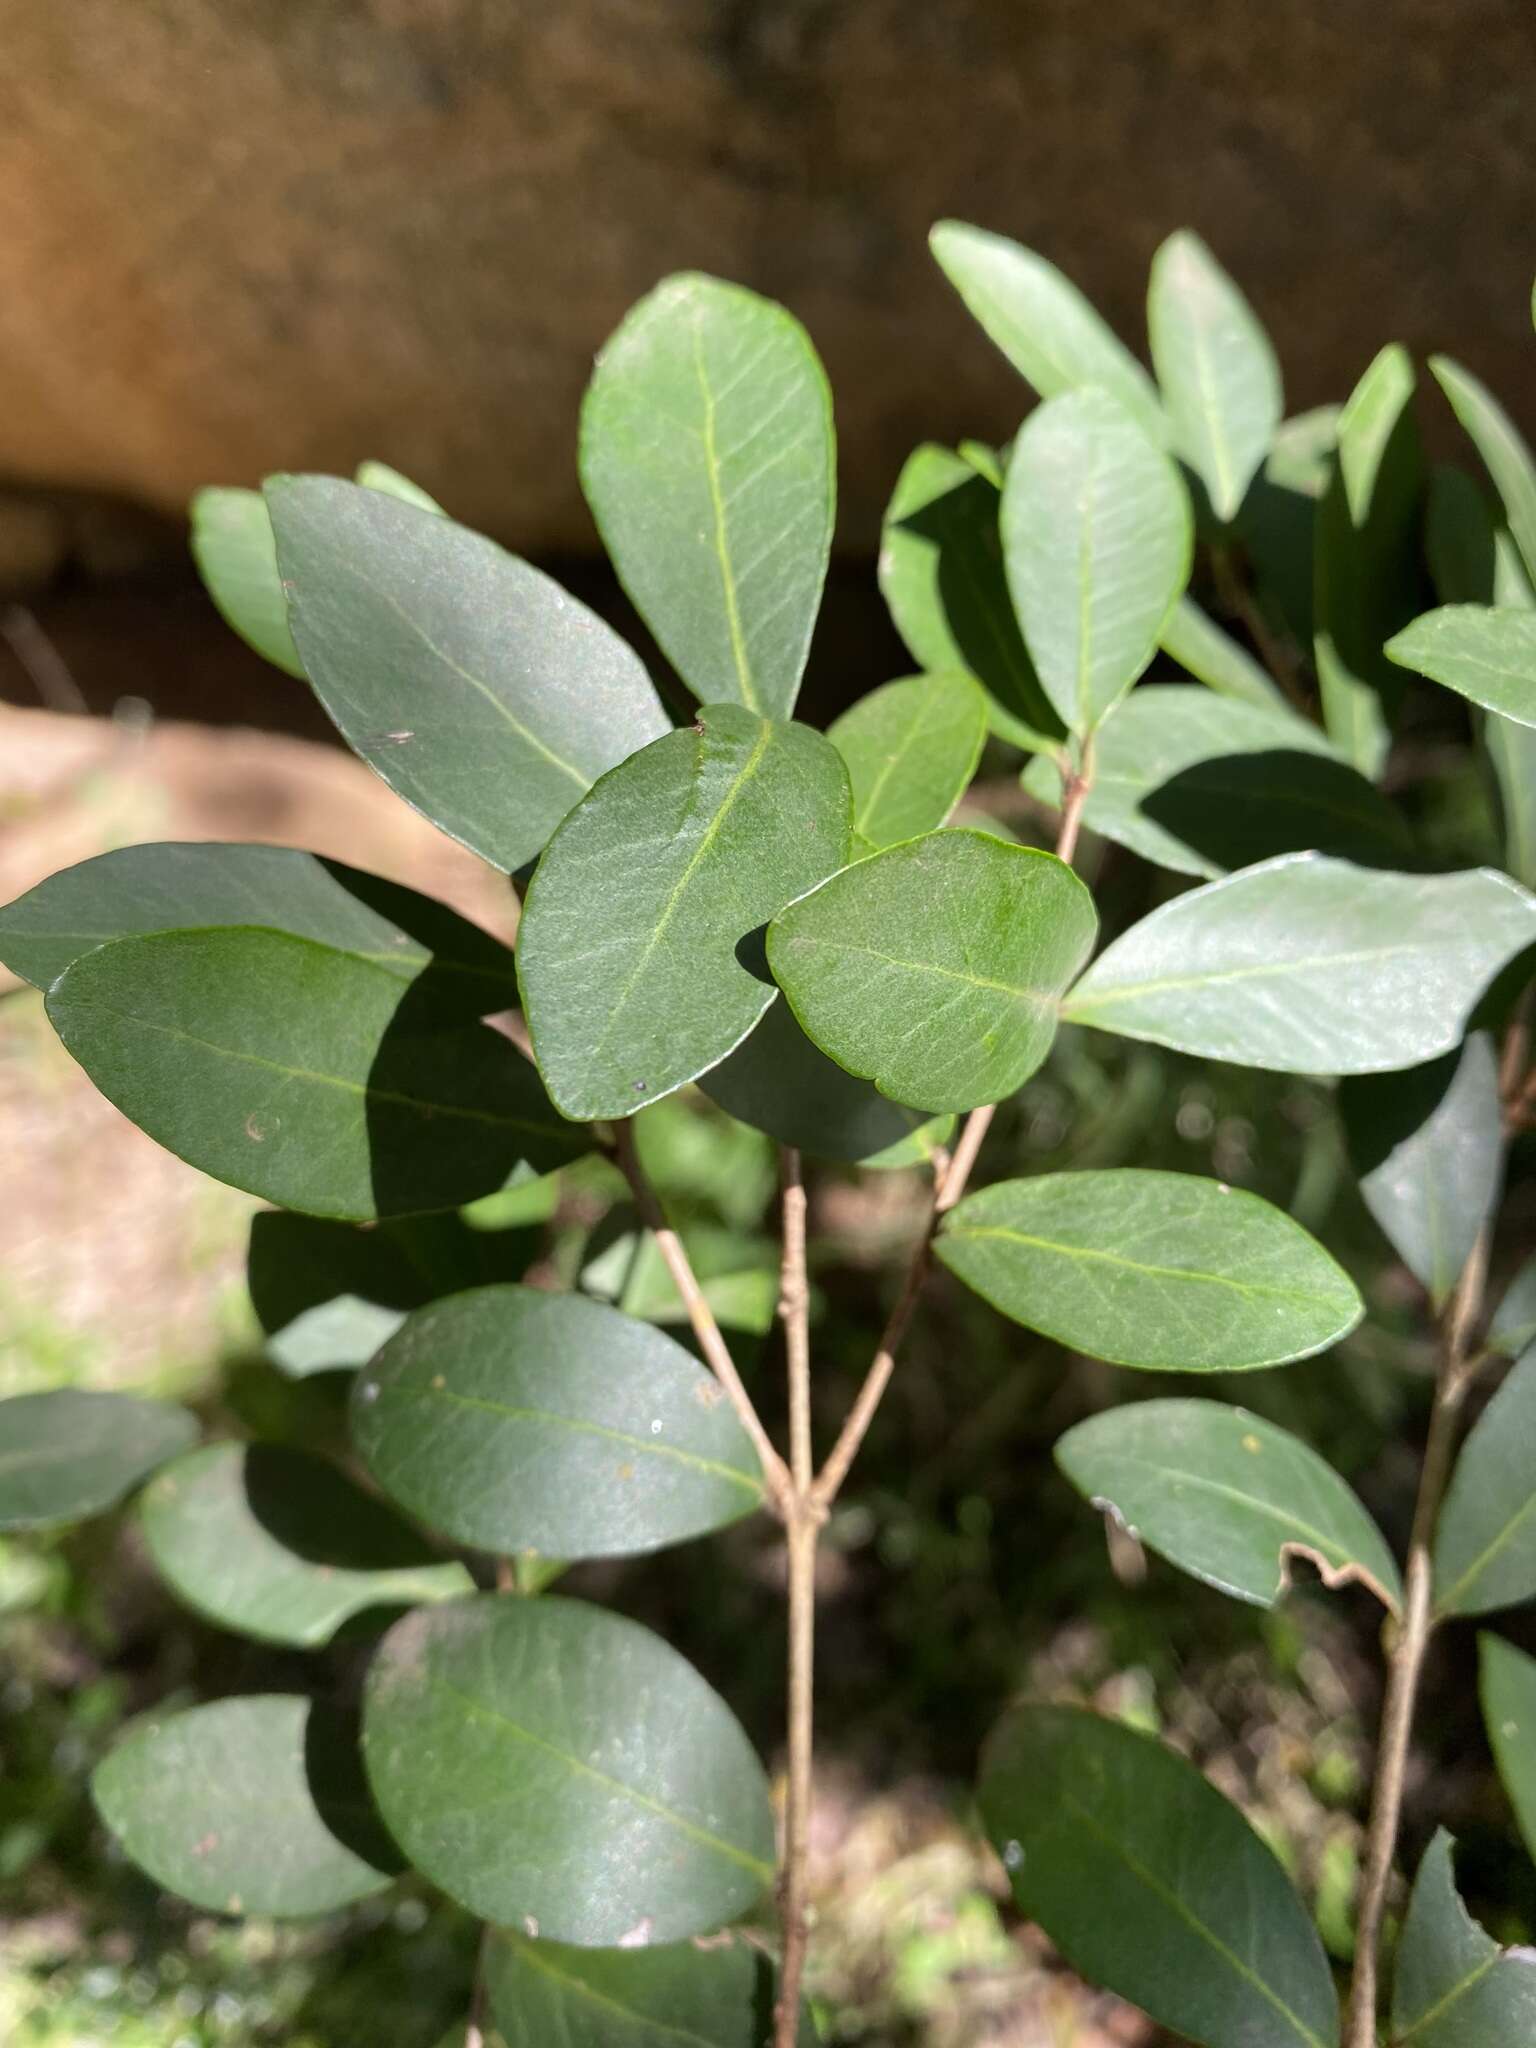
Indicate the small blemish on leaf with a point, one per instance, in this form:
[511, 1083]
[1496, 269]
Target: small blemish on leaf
[253, 1129]
[637, 1936]
[438, 1382]
[1251, 1443]
[206, 1846]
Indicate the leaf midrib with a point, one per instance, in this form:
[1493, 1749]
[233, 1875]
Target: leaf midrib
[1033, 997]
[738, 642]
[1195, 1276]
[1485, 1557]
[529, 1953]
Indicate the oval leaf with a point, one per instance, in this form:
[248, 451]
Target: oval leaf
[1485, 652]
[544, 1760]
[72, 1452]
[779, 1082]
[1508, 1691]
[1096, 538]
[1163, 1271]
[280, 1546]
[639, 949]
[1203, 784]
[934, 968]
[1453, 1986]
[1501, 445]
[707, 459]
[184, 887]
[252, 1805]
[480, 691]
[1514, 1320]
[1311, 966]
[236, 557]
[1152, 1884]
[1219, 376]
[679, 1995]
[1485, 1542]
[517, 1420]
[301, 1073]
[942, 577]
[1041, 321]
[1428, 1145]
[911, 749]
[1228, 1497]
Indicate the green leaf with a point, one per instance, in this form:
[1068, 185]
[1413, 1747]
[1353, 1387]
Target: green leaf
[481, 692]
[1485, 1541]
[1152, 1884]
[1203, 784]
[1366, 552]
[1514, 1320]
[1454, 1987]
[1041, 321]
[1499, 442]
[71, 1453]
[1228, 1497]
[280, 1546]
[1096, 540]
[1511, 751]
[639, 950]
[1195, 641]
[1485, 652]
[1279, 519]
[1164, 1271]
[328, 1294]
[1219, 376]
[934, 969]
[236, 557]
[544, 1761]
[378, 476]
[679, 1995]
[941, 574]
[1508, 1690]
[1256, 968]
[1428, 1145]
[707, 458]
[513, 1419]
[317, 1079]
[911, 749]
[779, 1082]
[252, 1805]
[184, 887]
[630, 1274]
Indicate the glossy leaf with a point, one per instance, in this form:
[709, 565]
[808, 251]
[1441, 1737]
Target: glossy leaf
[1203, 784]
[942, 577]
[1507, 1688]
[1194, 640]
[934, 968]
[481, 692]
[236, 557]
[1311, 966]
[1428, 1145]
[280, 1546]
[176, 886]
[779, 1082]
[1365, 574]
[71, 1452]
[1096, 541]
[1484, 652]
[1152, 1884]
[707, 459]
[513, 1419]
[680, 1995]
[252, 1805]
[317, 1079]
[1485, 1541]
[639, 950]
[1165, 1271]
[1514, 1320]
[1500, 443]
[1042, 322]
[1218, 372]
[911, 749]
[1453, 1986]
[545, 1761]
[1228, 1497]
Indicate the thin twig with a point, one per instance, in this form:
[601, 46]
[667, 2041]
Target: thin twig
[795, 1312]
[716, 1351]
[1458, 1366]
[1076, 781]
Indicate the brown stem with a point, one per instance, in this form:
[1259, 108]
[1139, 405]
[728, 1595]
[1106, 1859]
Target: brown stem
[1076, 781]
[716, 1351]
[1458, 1366]
[795, 1312]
